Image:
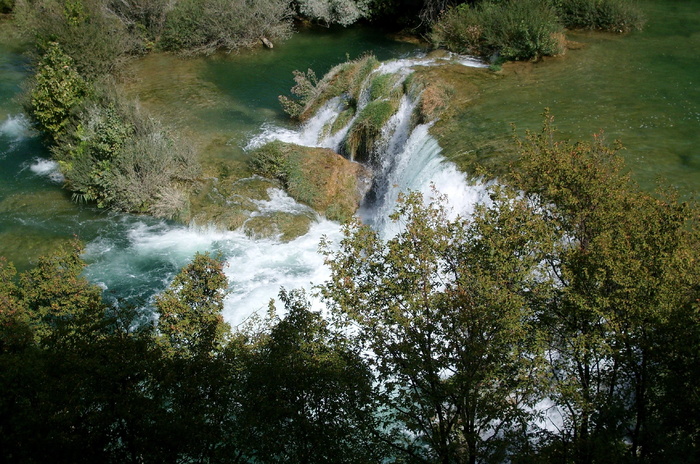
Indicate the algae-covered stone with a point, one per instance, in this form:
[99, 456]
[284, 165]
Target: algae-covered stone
[317, 177]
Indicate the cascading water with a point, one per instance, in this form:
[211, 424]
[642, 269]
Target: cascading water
[134, 256]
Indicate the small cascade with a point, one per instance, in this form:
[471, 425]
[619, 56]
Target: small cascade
[403, 155]
[142, 254]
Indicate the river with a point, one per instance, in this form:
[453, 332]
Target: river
[640, 88]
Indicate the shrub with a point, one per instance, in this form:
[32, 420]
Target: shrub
[121, 159]
[605, 15]
[95, 39]
[343, 12]
[56, 92]
[517, 30]
[142, 16]
[204, 26]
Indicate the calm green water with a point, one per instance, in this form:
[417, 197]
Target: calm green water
[642, 89]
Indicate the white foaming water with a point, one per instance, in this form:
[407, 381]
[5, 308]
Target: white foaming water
[309, 135]
[46, 168]
[15, 127]
[280, 202]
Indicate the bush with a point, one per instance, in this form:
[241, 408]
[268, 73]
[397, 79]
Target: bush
[56, 92]
[95, 39]
[204, 26]
[343, 12]
[119, 158]
[604, 15]
[516, 30]
[142, 16]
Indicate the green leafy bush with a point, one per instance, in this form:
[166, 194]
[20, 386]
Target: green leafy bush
[119, 158]
[96, 40]
[606, 15]
[57, 91]
[516, 30]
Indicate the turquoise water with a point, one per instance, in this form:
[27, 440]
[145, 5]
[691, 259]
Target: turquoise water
[219, 102]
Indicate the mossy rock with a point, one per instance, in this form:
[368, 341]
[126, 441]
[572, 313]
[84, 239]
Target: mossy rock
[227, 204]
[281, 225]
[345, 79]
[367, 129]
[317, 177]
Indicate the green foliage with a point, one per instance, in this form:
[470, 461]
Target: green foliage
[305, 91]
[190, 321]
[57, 91]
[96, 40]
[623, 269]
[606, 15]
[516, 30]
[119, 158]
[204, 26]
[308, 393]
[441, 309]
[62, 305]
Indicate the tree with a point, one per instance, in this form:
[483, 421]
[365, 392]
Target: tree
[58, 90]
[442, 310]
[307, 397]
[623, 269]
[190, 320]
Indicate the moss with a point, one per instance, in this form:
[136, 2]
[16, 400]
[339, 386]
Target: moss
[282, 225]
[460, 133]
[384, 86]
[317, 177]
[342, 120]
[367, 128]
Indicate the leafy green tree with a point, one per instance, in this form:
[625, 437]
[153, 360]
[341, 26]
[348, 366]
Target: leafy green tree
[442, 308]
[307, 397]
[623, 269]
[189, 312]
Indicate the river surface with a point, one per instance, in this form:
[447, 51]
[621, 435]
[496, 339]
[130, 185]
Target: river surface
[642, 88]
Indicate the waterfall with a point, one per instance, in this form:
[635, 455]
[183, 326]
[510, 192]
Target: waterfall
[137, 255]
